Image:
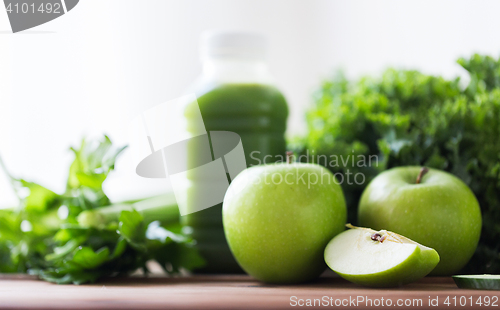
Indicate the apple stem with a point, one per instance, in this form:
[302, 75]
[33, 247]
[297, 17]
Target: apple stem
[289, 157]
[423, 171]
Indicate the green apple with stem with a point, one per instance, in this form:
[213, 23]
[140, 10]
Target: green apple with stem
[378, 258]
[278, 219]
[429, 206]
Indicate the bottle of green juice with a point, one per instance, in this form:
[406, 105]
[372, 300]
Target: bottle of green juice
[235, 93]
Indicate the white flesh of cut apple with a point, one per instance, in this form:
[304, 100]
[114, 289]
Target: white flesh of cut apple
[389, 260]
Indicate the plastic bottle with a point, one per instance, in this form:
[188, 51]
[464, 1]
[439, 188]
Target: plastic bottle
[235, 93]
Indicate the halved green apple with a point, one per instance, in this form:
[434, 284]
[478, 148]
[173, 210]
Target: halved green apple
[378, 258]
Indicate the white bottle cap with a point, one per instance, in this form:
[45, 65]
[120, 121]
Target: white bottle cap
[232, 44]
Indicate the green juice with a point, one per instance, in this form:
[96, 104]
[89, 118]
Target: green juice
[256, 112]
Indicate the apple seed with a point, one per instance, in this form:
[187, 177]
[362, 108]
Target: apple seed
[376, 237]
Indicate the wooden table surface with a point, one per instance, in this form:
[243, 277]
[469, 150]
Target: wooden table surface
[232, 292]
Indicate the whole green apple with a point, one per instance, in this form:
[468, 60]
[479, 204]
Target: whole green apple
[279, 218]
[429, 206]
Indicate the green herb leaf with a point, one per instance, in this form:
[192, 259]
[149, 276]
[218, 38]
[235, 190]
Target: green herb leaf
[78, 237]
[88, 259]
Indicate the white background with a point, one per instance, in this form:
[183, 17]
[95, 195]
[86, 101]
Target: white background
[92, 70]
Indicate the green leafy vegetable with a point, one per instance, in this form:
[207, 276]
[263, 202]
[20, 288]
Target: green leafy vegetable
[160, 208]
[409, 118]
[78, 237]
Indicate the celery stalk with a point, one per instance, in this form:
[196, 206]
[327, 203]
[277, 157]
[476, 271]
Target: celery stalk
[161, 208]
